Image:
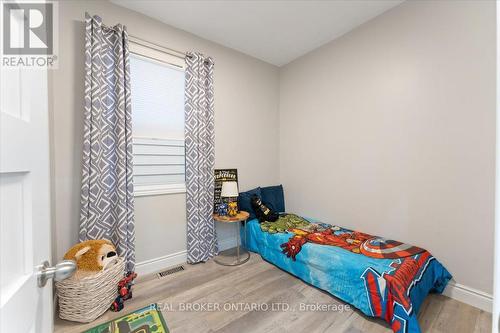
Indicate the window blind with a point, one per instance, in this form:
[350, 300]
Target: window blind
[158, 161]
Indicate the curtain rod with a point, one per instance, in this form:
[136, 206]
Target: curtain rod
[157, 47]
[146, 43]
[161, 48]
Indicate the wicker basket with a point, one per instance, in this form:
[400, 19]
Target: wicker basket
[84, 299]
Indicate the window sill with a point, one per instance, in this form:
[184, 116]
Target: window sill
[149, 190]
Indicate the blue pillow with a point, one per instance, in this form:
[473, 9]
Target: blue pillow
[244, 201]
[273, 197]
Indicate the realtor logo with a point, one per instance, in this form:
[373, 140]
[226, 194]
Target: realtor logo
[28, 34]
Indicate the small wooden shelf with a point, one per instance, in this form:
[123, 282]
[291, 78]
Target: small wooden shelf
[241, 216]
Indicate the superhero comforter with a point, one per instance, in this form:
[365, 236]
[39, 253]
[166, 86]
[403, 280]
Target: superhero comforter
[382, 278]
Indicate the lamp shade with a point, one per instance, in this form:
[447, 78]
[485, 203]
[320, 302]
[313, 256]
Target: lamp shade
[229, 190]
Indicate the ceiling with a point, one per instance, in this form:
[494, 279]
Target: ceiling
[275, 31]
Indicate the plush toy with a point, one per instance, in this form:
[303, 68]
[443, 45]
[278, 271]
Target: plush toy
[92, 255]
[222, 209]
[232, 209]
[262, 212]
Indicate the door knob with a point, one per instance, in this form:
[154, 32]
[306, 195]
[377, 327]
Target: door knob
[61, 271]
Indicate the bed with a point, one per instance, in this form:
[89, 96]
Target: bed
[382, 278]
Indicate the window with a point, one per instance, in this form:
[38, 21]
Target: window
[157, 89]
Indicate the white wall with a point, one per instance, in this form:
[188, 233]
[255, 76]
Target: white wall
[246, 104]
[391, 130]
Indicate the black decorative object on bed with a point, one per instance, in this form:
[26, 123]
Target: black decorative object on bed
[263, 212]
[271, 196]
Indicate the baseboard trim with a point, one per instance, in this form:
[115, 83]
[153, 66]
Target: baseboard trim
[468, 295]
[157, 264]
[160, 263]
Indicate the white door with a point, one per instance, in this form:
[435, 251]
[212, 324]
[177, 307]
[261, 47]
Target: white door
[25, 227]
[496, 283]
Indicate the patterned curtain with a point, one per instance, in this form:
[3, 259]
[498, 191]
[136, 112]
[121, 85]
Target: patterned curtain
[200, 158]
[107, 201]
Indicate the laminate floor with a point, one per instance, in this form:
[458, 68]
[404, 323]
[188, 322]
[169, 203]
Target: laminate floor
[258, 297]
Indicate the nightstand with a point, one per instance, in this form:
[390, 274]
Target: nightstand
[240, 255]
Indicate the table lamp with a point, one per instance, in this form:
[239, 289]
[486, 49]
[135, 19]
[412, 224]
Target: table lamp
[230, 191]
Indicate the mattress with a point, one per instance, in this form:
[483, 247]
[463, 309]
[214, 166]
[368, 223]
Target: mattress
[381, 278]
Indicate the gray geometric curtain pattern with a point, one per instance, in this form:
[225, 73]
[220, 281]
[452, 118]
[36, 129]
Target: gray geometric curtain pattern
[107, 200]
[200, 158]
